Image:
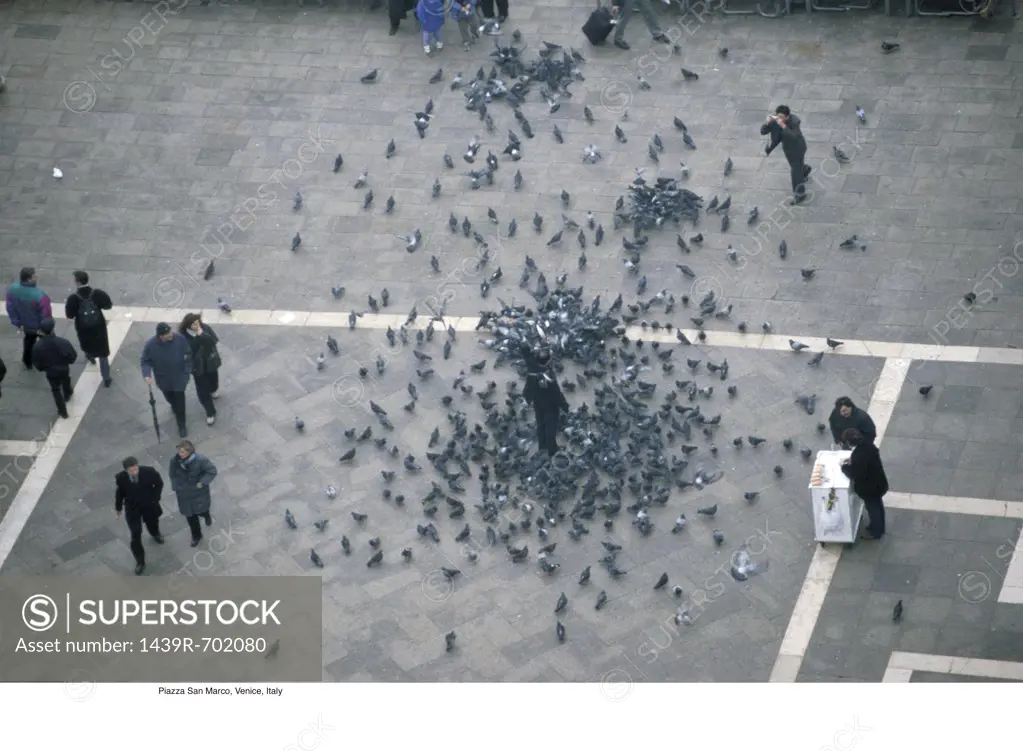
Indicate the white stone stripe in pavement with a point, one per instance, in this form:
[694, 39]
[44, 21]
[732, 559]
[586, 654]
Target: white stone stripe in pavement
[825, 560]
[757, 340]
[52, 450]
[902, 665]
[20, 448]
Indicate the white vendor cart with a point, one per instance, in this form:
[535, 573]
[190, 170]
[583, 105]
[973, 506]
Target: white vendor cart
[837, 510]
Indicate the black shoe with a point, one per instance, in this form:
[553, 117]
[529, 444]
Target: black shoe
[622, 44]
[208, 519]
[92, 360]
[392, 31]
[807, 169]
[868, 536]
[502, 19]
[64, 414]
[158, 539]
[107, 382]
[195, 542]
[68, 395]
[798, 200]
[660, 36]
[182, 431]
[139, 569]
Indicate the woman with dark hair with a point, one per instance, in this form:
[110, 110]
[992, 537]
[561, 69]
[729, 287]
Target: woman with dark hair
[205, 361]
[869, 482]
[847, 415]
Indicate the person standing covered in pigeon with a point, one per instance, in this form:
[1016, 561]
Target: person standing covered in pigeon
[866, 472]
[205, 361]
[464, 13]
[847, 415]
[786, 129]
[190, 477]
[431, 16]
[543, 392]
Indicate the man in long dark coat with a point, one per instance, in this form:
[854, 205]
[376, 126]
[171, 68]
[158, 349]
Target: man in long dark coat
[869, 481]
[85, 307]
[397, 11]
[543, 392]
[190, 477]
[137, 493]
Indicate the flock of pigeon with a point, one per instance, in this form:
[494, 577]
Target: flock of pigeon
[632, 446]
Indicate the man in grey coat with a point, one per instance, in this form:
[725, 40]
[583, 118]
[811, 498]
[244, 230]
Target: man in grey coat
[190, 478]
[167, 358]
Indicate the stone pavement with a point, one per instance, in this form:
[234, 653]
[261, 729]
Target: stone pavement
[164, 132]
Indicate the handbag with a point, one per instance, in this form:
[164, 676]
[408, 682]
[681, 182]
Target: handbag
[599, 25]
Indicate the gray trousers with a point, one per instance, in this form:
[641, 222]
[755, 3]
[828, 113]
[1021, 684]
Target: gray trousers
[648, 15]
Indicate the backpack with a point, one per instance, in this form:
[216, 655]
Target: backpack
[89, 315]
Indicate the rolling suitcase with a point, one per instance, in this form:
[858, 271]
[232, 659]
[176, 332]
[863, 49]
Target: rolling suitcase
[599, 25]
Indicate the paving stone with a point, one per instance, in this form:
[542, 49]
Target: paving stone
[922, 677]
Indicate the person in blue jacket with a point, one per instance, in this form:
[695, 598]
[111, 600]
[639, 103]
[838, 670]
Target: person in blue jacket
[464, 12]
[431, 16]
[27, 307]
[167, 359]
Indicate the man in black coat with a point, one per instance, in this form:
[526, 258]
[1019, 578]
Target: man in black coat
[544, 393]
[869, 482]
[3, 370]
[786, 129]
[847, 415]
[85, 307]
[137, 493]
[54, 355]
[397, 11]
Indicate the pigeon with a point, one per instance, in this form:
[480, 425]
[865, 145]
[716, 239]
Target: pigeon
[368, 201]
[723, 52]
[897, 612]
[347, 456]
[584, 577]
[861, 114]
[566, 198]
[321, 525]
[680, 524]
[321, 361]
[620, 135]
[783, 249]
[889, 47]
[754, 441]
[833, 343]
[688, 75]
[925, 390]
[679, 125]
[436, 187]
[299, 424]
[560, 631]
[332, 345]
[601, 599]
[438, 76]
[449, 641]
[751, 496]
[816, 359]
[807, 274]
[223, 305]
[718, 537]
[376, 559]
[317, 561]
[360, 181]
[298, 201]
[562, 603]
[840, 156]
[208, 272]
[555, 239]
[708, 511]
[337, 292]
[289, 519]
[808, 403]
[406, 554]
[661, 582]
[296, 241]
[742, 568]
[331, 492]
[338, 161]
[683, 617]
[558, 135]
[797, 346]
[728, 166]
[370, 77]
[449, 162]
[517, 181]
[346, 546]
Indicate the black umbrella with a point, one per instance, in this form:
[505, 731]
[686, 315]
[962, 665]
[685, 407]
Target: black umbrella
[152, 406]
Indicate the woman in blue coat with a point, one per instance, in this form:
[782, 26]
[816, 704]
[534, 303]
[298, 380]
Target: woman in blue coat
[431, 16]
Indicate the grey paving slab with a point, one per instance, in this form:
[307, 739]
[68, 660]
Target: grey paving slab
[392, 620]
[15, 470]
[920, 677]
[947, 570]
[961, 439]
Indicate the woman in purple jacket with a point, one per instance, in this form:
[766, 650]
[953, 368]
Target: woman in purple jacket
[431, 16]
